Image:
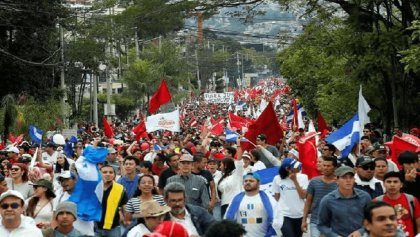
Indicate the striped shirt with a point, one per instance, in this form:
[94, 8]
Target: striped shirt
[318, 189]
[195, 189]
[133, 205]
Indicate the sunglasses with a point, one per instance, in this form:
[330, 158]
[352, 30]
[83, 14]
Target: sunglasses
[13, 205]
[14, 169]
[368, 167]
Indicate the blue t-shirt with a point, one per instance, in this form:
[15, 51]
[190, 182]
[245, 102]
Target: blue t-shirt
[129, 185]
[318, 189]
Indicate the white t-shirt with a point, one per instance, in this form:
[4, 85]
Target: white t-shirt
[275, 187]
[50, 159]
[253, 216]
[138, 231]
[259, 165]
[290, 204]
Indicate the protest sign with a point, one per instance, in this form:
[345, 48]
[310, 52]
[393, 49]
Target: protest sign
[219, 98]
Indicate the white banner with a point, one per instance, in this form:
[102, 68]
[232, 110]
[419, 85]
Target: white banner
[219, 98]
[167, 121]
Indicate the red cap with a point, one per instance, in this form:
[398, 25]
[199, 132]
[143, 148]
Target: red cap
[144, 146]
[171, 229]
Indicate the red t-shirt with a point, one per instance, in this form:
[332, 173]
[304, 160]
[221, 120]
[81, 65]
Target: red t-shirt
[402, 207]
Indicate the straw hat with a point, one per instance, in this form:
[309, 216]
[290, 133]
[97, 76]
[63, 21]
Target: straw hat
[150, 209]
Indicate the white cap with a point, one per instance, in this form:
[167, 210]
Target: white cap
[10, 193]
[13, 149]
[65, 174]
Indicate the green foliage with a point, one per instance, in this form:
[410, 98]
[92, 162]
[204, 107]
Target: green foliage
[45, 116]
[411, 55]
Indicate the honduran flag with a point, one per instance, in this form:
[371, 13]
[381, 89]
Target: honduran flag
[301, 110]
[89, 188]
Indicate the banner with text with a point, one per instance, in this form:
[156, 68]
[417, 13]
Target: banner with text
[219, 98]
[166, 121]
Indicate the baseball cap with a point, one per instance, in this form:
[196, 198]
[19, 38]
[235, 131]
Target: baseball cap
[186, 157]
[379, 147]
[65, 175]
[66, 206]
[362, 161]
[11, 193]
[144, 146]
[289, 163]
[252, 175]
[111, 150]
[13, 149]
[343, 170]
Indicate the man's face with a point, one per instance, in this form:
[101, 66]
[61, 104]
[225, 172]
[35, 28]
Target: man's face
[111, 157]
[259, 141]
[202, 164]
[185, 167]
[11, 155]
[212, 167]
[176, 201]
[393, 185]
[173, 162]
[129, 166]
[346, 182]
[410, 166]
[381, 167]
[67, 184]
[366, 172]
[366, 132]
[326, 152]
[327, 168]
[65, 219]
[251, 184]
[384, 222]
[3, 186]
[10, 209]
[108, 174]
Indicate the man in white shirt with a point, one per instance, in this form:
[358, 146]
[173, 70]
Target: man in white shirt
[12, 222]
[50, 154]
[254, 209]
[68, 181]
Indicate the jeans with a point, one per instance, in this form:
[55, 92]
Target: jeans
[291, 227]
[313, 228]
[115, 232]
[217, 212]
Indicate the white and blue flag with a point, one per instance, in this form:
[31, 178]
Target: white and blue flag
[89, 187]
[232, 136]
[35, 134]
[347, 136]
[301, 110]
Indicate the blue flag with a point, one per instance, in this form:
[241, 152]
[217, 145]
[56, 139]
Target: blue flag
[35, 134]
[346, 137]
[300, 109]
[156, 147]
[232, 136]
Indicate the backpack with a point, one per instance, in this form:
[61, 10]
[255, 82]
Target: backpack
[410, 199]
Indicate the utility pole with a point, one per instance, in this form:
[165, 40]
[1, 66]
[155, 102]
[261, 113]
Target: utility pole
[239, 71]
[198, 70]
[95, 99]
[136, 41]
[62, 79]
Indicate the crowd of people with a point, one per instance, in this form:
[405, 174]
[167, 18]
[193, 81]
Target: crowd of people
[194, 183]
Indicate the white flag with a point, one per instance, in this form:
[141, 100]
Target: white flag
[363, 110]
[166, 121]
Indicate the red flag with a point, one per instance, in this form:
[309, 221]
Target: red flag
[161, 97]
[140, 130]
[12, 138]
[265, 124]
[295, 122]
[218, 128]
[193, 123]
[404, 143]
[308, 154]
[322, 126]
[109, 133]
